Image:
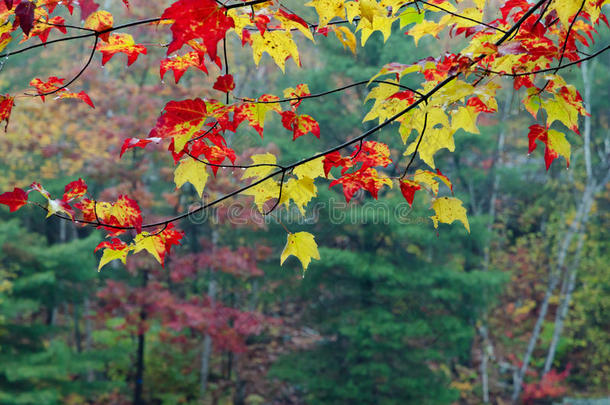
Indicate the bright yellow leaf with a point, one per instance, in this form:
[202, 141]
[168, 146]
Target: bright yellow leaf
[566, 9]
[264, 192]
[150, 243]
[558, 143]
[449, 209]
[191, 171]
[430, 179]
[328, 9]
[558, 109]
[312, 169]
[278, 44]
[465, 118]
[424, 28]
[111, 254]
[260, 171]
[300, 191]
[346, 37]
[303, 246]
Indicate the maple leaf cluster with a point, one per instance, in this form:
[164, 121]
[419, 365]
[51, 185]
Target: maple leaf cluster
[527, 42]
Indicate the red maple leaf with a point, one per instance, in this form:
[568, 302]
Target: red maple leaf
[408, 189]
[179, 64]
[300, 124]
[14, 199]
[25, 14]
[197, 19]
[224, 83]
[52, 84]
[6, 105]
[121, 43]
[87, 7]
[75, 189]
[180, 117]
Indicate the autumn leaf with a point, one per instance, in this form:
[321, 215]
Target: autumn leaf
[137, 143]
[87, 7]
[14, 199]
[408, 189]
[25, 14]
[278, 44]
[299, 191]
[123, 213]
[180, 120]
[84, 97]
[264, 164]
[157, 244]
[312, 169]
[365, 178]
[303, 246]
[51, 85]
[191, 171]
[424, 28]
[121, 43]
[256, 112]
[197, 19]
[6, 106]
[447, 210]
[179, 64]
[346, 37]
[224, 83]
[100, 21]
[263, 192]
[75, 189]
[555, 141]
[328, 9]
[115, 249]
[300, 124]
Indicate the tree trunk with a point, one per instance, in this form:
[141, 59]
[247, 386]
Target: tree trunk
[88, 335]
[77, 335]
[497, 160]
[139, 382]
[206, 351]
[575, 228]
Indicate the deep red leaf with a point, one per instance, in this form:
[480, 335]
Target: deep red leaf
[25, 14]
[14, 199]
[224, 83]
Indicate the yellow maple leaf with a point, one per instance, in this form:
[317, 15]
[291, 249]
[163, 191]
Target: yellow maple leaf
[278, 44]
[150, 243]
[260, 171]
[327, 10]
[558, 109]
[300, 191]
[466, 119]
[434, 139]
[346, 37]
[111, 254]
[566, 9]
[430, 179]
[312, 169]
[449, 209]
[410, 16]
[383, 107]
[289, 25]
[263, 192]
[416, 118]
[424, 28]
[303, 246]
[191, 171]
[380, 23]
[558, 143]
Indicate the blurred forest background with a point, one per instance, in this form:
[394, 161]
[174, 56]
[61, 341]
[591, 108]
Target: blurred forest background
[394, 313]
